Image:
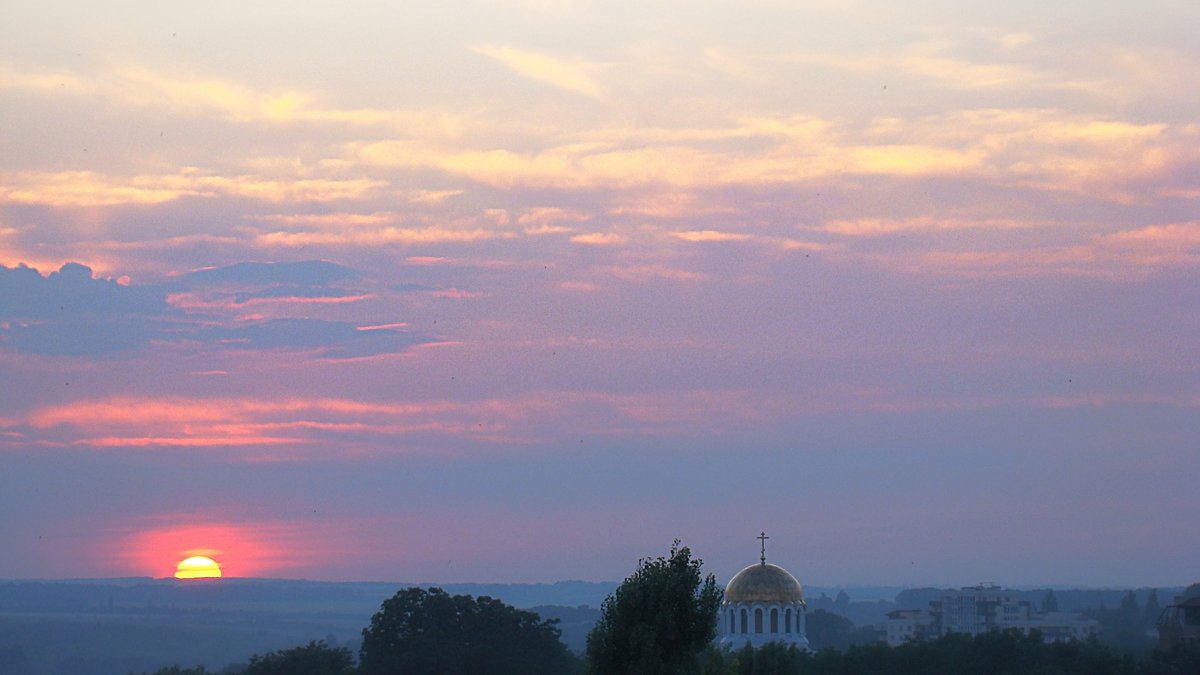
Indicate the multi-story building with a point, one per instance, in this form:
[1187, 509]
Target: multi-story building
[904, 625]
[978, 609]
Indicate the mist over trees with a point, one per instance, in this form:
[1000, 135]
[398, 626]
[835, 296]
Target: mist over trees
[45, 629]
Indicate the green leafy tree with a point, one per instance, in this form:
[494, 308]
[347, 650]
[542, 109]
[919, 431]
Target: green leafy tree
[315, 658]
[715, 660]
[773, 658]
[745, 659]
[658, 621]
[430, 632]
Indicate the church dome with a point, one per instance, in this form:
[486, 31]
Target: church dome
[763, 582]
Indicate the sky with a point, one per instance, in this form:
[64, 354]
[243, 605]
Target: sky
[524, 290]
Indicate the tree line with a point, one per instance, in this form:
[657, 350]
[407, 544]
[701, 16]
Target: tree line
[662, 620]
[992, 653]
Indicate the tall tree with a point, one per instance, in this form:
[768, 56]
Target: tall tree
[1129, 618]
[430, 632]
[658, 621]
[1049, 602]
[1152, 610]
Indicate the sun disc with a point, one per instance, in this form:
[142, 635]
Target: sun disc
[198, 567]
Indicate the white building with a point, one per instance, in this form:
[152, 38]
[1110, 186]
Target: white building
[1060, 626]
[763, 603]
[978, 609]
[912, 624]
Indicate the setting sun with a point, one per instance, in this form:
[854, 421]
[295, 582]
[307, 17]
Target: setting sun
[198, 567]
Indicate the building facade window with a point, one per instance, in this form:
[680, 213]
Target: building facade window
[758, 620]
[787, 620]
[774, 620]
[743, 621]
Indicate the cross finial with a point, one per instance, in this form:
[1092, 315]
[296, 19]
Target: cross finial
[762, 539]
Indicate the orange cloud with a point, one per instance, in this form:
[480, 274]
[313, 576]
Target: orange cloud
[87, 189]
[710, 235]
[191, 93]
[337, 220]
[600, 239]
[54, 82]
[1046, 149]
[83, 188]
[575, 76]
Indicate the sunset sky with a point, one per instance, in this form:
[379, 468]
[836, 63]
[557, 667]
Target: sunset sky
[523, 290]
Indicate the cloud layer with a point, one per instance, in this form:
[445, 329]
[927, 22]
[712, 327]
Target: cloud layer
[872, 278]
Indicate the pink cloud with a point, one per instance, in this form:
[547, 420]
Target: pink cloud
[1131, 254]
[648, 273]
[283, 427]
[383, 326]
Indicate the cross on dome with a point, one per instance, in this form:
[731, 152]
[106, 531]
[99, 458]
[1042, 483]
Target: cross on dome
[763, 603]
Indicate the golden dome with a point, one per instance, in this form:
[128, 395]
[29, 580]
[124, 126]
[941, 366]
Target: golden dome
[763, 582]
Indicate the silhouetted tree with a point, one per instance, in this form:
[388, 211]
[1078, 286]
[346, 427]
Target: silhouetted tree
[658, 621]
[419, 632]
[315, 658]
[1152, 610]
[1129, 610]
[842, 601]
[1124, 628]
[1049, 602]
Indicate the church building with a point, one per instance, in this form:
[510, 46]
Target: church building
[763, 603]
